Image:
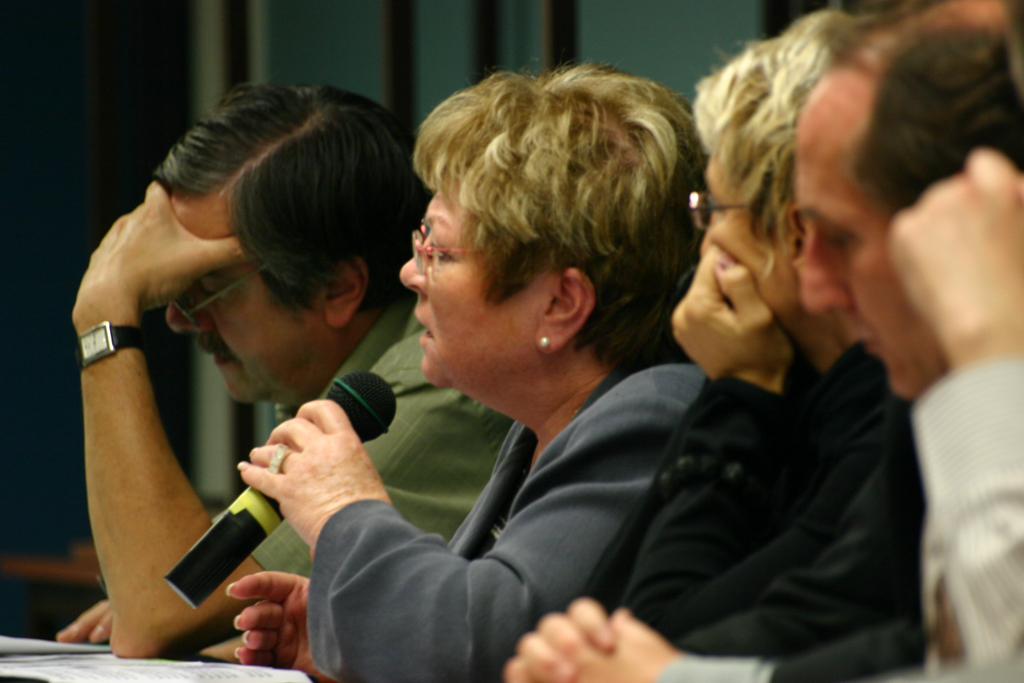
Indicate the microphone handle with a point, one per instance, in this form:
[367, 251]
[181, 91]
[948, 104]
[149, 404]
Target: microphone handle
[232, 538]
[369, 402]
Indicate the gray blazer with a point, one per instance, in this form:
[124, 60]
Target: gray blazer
[390, 603]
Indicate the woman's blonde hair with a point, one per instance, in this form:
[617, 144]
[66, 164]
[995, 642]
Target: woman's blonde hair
[746, 114]
[583, 167]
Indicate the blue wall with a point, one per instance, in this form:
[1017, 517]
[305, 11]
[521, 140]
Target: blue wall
[442, 51]
[43, 211]
[676, 43]
[340, 43]
[326, 42]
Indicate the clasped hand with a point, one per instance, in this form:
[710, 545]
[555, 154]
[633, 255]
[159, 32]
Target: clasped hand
[960, 253]
[725, 326]
[584, 645]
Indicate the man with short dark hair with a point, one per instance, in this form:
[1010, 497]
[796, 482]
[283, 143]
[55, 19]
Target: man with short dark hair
[275, 231]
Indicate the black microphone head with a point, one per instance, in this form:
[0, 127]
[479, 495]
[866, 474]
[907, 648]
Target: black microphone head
[368, 401]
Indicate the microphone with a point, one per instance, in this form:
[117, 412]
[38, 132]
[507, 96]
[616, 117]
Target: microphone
[369, 403]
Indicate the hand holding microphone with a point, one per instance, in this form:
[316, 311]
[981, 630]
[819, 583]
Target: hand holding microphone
[326, 468]
[322, 468]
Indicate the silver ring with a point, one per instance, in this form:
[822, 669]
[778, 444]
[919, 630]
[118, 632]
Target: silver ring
[277, 459]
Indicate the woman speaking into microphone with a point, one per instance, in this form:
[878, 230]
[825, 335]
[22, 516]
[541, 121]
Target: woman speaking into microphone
[545, 267]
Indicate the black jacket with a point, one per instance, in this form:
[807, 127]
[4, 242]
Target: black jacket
[752, 485]
[856, 610]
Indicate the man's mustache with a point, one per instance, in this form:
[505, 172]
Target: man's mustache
[211, 342]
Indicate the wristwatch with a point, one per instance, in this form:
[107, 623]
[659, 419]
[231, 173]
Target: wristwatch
[103, 340]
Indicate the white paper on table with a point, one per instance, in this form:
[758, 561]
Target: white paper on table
[92, 668]
[31, 646]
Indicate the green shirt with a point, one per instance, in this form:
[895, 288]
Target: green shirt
[437, 454]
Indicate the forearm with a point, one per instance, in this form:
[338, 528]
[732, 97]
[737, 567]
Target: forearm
[843, 590]
[970, 437]
[708, 524]
[699, 538]
[891, 645]
[144, 513]
[143, 510]
[377, 580]
[839, 430]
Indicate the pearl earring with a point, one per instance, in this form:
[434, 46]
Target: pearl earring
[545, 342]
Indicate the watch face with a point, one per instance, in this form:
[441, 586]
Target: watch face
[95, 341]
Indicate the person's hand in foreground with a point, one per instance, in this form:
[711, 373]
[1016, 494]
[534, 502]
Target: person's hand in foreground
[274, 630]
[326, 469]
[584, 645]
[146, 259]
[92, 625]
[727, 329]
[960, 253]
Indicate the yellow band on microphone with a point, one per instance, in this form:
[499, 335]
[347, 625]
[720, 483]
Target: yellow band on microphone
[253, 501]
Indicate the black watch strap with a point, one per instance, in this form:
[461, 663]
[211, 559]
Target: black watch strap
[105, 339]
